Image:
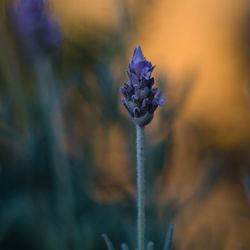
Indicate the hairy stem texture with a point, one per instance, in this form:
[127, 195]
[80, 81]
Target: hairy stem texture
[140, 187]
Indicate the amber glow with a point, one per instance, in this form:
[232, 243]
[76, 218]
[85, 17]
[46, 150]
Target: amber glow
[201, 38]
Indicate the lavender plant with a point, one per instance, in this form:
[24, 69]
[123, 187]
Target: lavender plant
[39, 36]
[36, 29]
[141, 100]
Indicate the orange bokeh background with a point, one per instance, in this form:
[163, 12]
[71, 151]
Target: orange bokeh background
[204, 41]
[199, 45]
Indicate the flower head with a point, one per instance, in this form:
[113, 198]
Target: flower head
[36, 29]
[140, 98]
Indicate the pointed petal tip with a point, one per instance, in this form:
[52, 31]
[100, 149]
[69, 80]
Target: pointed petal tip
[137, 55]
[139, 51]
[162, 102]
[138, 46]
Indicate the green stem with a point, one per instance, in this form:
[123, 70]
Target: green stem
[140, 187]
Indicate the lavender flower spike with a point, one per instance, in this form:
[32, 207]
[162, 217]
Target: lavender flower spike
[35, 27]
[140, 98]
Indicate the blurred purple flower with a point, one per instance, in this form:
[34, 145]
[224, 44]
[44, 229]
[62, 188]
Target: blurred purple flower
[36, 29]
[141, 99]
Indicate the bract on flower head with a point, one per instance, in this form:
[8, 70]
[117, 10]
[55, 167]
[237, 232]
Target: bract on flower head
[140, 98]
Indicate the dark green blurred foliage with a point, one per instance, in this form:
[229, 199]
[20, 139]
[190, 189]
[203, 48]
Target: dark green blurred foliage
[46, 199]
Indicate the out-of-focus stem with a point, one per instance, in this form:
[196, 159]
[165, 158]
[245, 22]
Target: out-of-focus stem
[140, 187]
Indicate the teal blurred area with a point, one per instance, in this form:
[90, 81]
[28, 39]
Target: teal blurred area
[67, 149]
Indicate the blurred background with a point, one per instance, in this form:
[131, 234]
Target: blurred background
[67, 146]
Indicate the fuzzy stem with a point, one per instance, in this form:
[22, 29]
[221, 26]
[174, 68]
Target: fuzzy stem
[140, 187]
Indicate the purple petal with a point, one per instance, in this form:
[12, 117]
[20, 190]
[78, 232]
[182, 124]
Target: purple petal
[122, 90]
[147, 71]
[137, 56]
[135, 98]
[154, 90]
[141, 69]
[134, 79]
[159, 100]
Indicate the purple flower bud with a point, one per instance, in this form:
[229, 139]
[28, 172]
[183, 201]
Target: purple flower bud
[141, 99]
[34, 26]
